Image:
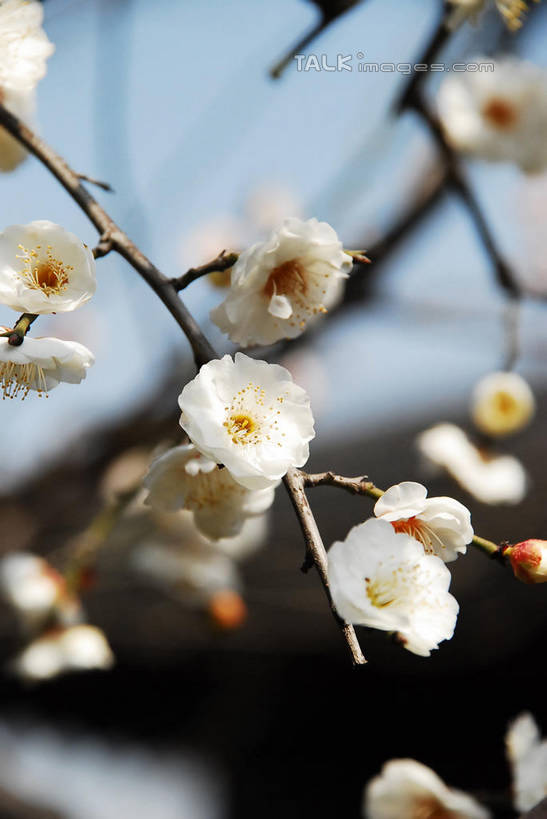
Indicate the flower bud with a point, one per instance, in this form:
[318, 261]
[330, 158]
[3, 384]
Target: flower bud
[227, 609]
[529, 560]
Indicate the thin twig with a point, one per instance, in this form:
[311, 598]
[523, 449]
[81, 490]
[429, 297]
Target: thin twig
[224, 261]
[294, 481]
[164, 288]
[104, 185]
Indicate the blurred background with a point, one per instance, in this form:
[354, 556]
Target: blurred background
[173, 105]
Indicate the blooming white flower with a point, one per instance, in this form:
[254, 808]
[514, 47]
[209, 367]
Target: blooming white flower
[502, 403]
[406, 789]
[182, 478]
[383, 579]
[278, 285]
[22, 105]
[24, 46]
[76, 648]
[512, 11]
[527, 755]
[499, 115]
[442, 525]
[250, 416]
[41, 364]
[44, 269]
[492, 479]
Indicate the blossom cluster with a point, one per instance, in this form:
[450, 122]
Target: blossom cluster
[390, 572]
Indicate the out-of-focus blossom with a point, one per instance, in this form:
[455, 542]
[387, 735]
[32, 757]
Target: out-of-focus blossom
[180, 528]
[76, 648]
[441, 525]
[22, 105]
[512, 11]
[528, 560]
[496, 479]
[182, 478]
[36, 590]
[194, 572]
[40, 364]
[24, 46]
[383, 579]
[406, 789]
[250, 416]
[527, 754]
[499, 114]
[227, 609]
[44, 269]
[278, 285]
[502, 403]
[269, 204]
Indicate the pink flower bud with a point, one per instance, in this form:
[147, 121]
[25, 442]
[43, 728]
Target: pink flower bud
[529, 560]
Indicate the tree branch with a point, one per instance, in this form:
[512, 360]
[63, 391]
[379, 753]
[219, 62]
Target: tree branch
[164, 288]
[224, 261]
[294, 480]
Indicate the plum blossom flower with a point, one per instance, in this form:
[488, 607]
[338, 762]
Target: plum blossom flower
[35, 590]
[502, 403]
[44, 269]
[406, 789]
[24, 46]
[441, 525]
[383, 579]
[528, 560]
[527, 754]
[60, 650]
[41, 364]
[278, 285]
[22, 105]
[512, 11]
[492, 479]
[250, 416]
[182, 478]
[498, 115]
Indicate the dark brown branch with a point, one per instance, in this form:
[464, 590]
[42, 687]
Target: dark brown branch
[435, 44]
[117, 240]
[295, 482]
[224, 261]
[356, 486]
[106, 226]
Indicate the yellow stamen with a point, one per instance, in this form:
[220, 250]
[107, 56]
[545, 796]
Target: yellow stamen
[45, 273]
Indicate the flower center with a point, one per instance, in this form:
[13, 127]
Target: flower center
[505, 403]
[500, 114]
[420, 531]
[46, 274]
[249, 420]
[18, 379]
[512, 11]
[286, 280]
[381, 593]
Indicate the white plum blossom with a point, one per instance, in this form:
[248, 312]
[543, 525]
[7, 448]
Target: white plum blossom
[512, 11]
[278, 285]
[527, 754]
[498, 115]
[406, 789]
[492, 479]
[383, 579]
[22, 105]
[44, 269]
[41, 364]
[502, 403]
[24, 46]
[442, 525]
[249, 416]
[182, 478]
[75, 648]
